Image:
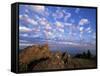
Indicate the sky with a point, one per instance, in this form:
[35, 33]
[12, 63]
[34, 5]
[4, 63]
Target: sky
[72, 26]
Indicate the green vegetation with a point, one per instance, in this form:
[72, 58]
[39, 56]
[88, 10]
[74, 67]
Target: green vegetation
[86, 55]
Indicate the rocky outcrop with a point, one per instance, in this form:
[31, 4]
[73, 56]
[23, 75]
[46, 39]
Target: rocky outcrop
[39, 57]
[34, 52]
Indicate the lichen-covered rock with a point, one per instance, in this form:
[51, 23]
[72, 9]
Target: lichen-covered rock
[51, 63]
[34, 52]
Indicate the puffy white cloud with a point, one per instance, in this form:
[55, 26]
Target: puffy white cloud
[20, 16]
[31, 21]
[59, 24]
[48, 34]
[89, 30]
[61, 30]
[48, 27]
[43, 21]
[37, 8]
[24, 29]
[23, 16]
[83, 21]
[46, 24]
[26, 18]
[68, 24]
[37, 17]
[26, 15]
[36, 30]
[81, 29]
[26, 11]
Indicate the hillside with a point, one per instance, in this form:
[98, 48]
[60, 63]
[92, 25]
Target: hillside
[39, 57]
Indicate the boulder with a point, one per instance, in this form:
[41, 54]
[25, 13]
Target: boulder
[34, 52]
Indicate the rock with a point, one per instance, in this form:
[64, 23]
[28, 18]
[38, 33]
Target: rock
[34, 52]
[51, 63]
[39, 57]
[58, 54]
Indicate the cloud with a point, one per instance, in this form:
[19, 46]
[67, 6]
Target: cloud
[68, 24]
[81, 29]
[23, 16]
[48, 27]
[26, 18]
[59, 24]
[46, 24]
[20, 16]
[77, 10]
[31, 21]
[58, 14]
[69, 43]
[35, 30]
[67, 16]
[23, 41]
[26, 11]
[29, 36]
[35, 35]
[81, 36]
[89, 30]
[26, 44]
[24, 29]
[43, 21]
[83, 21]
[24, 35]
[37, 17]
[61, 30]
[37, 8]
[48, 34]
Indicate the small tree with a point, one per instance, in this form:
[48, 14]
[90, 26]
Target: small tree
[89, 55]
[84, 55]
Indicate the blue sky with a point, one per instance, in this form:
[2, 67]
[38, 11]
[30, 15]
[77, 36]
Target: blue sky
[68, 25]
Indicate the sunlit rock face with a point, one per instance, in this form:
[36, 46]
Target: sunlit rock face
[34, 52]
[39, 57]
